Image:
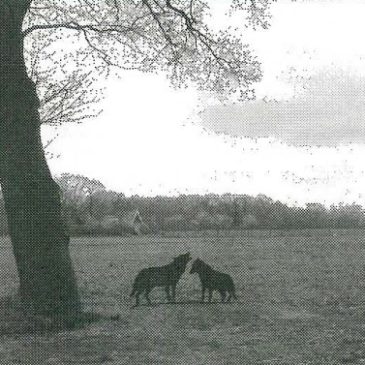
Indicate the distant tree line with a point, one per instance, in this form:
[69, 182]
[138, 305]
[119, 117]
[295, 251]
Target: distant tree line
[88, 207]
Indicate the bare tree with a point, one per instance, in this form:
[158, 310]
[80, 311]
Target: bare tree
[81, 40]
[70, 96]
[78, 186]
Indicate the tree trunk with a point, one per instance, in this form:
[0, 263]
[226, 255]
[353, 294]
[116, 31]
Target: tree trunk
[32, 199]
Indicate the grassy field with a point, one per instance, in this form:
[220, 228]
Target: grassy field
[301, 301]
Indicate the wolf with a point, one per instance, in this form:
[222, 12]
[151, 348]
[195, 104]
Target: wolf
[213, 280]
[166, 276]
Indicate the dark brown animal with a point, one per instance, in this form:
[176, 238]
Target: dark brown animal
[167, 276]
[213, 280]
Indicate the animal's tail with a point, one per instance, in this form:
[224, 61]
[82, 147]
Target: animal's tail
[233, 292]
[139, 283]
[134, 289]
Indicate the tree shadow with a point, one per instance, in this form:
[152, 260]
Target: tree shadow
[16, 320]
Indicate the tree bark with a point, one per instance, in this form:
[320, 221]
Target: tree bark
[32, 200]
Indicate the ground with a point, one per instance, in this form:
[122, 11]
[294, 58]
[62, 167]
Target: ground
[301, 301]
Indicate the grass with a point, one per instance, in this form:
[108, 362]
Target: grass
[301, 301]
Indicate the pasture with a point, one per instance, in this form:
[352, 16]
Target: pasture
[301, 301]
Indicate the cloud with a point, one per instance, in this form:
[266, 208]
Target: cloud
[329, 111]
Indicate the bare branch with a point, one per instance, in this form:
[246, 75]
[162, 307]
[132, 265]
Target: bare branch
[147, 35]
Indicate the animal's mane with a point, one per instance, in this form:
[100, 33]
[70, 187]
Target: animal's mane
[179, 260]
[205, 265]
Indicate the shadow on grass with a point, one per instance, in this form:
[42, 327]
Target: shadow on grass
[14, 319]
[186, 302]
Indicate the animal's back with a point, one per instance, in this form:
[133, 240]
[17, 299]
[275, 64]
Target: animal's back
[224, 279]
[158, 276]
[217, 280]
[167, 276]
[226, 282]
[151, 277]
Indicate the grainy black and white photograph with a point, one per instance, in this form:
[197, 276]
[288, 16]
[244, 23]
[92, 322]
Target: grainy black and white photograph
[182, 182]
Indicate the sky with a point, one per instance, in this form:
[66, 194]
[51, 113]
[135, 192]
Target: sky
[302, 140]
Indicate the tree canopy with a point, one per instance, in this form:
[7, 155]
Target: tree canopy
[70, 43]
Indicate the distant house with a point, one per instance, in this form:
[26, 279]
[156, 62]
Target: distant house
[110, 223]
[127, 222]
[124, 222]
[132, 221]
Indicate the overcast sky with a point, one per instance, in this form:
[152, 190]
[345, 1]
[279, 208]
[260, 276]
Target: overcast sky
[302, 140]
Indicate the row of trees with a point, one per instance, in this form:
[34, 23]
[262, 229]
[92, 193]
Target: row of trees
[243, 212]
[87, 204]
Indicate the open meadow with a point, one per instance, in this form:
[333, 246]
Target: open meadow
[300, 301]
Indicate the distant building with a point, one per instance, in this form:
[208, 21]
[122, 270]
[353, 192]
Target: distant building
[127, 222]
[110, 222]
[132, 221]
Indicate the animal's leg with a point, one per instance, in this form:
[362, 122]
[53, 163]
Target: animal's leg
[223, 295]
[147, 292]
[203, 294]
[167, 290]
[173, 287]
[210, 295]
[229, 297]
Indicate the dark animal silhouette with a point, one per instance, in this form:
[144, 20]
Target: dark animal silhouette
[213, 280]
[166, 276]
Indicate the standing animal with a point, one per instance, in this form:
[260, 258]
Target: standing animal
[213, 280]
[166, 276]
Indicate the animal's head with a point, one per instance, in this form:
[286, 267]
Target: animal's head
[197, 266]
[182, 260]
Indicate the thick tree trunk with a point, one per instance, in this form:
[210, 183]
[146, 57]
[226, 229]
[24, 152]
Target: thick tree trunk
[32, 200]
